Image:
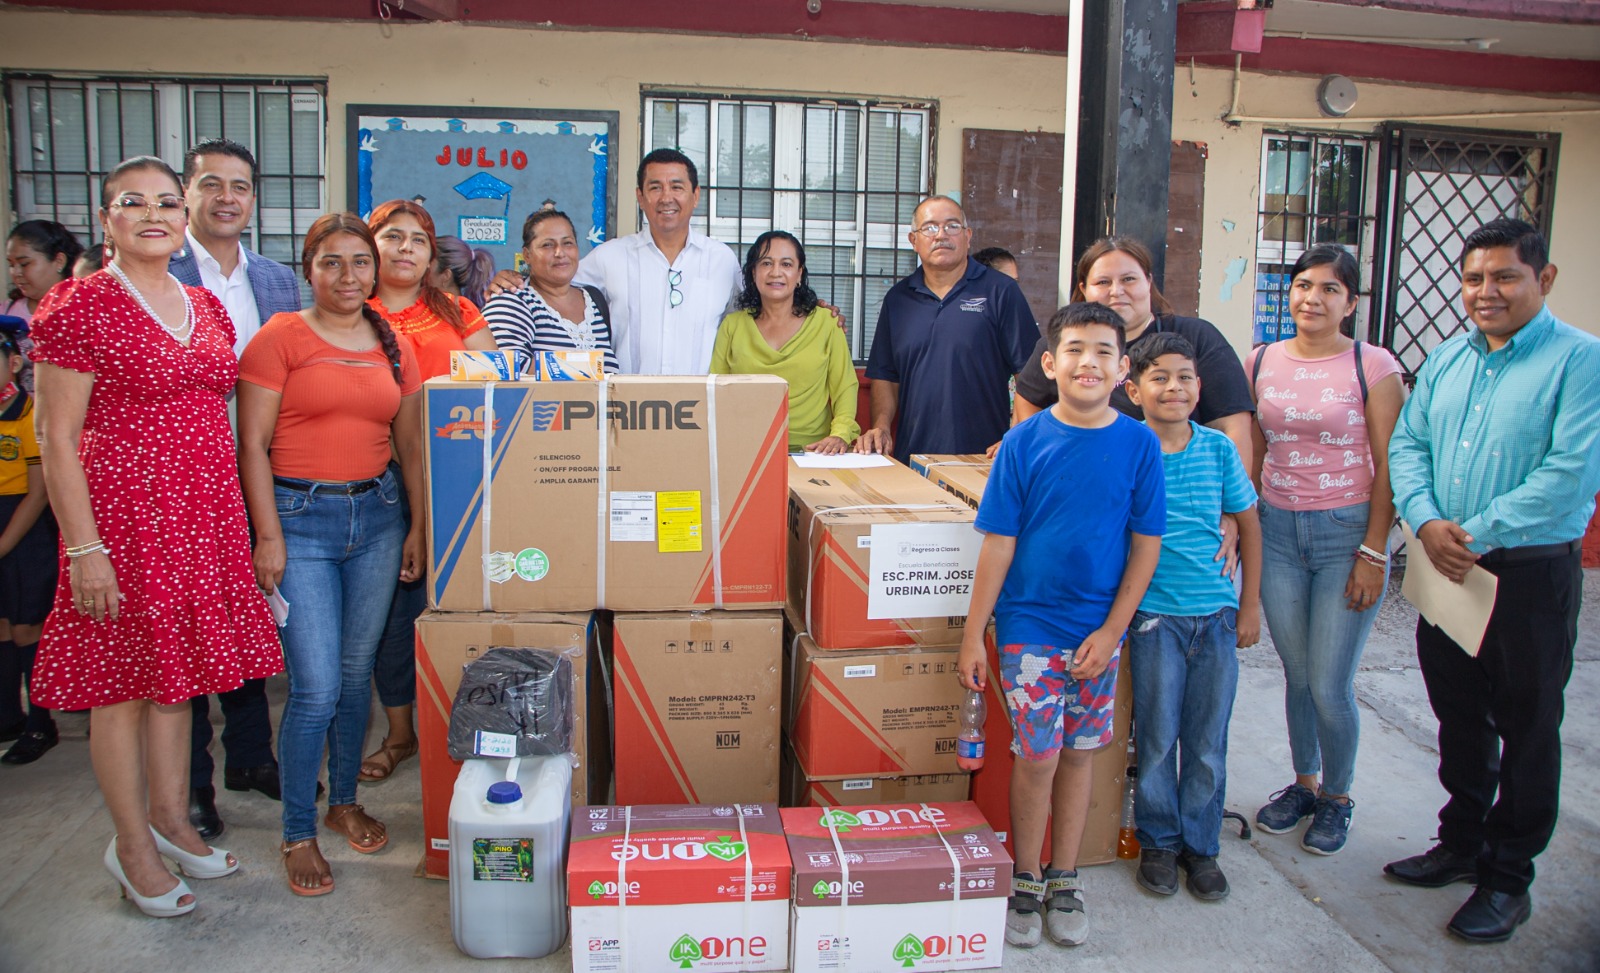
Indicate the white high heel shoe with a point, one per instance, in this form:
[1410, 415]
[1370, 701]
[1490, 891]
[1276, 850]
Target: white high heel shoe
[214, 865]
[159, 906]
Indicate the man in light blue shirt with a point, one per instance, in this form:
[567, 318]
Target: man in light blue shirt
[1496, 462]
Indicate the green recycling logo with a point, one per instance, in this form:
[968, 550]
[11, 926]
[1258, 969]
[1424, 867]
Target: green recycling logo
[839, 820]
[596, 889]
[907, 951]
[686, 952]
[725, 848]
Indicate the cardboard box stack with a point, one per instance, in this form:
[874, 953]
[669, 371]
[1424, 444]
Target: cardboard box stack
[639, 494]
[880, 574]
[964, 476]
[896, 886]
[679, 887]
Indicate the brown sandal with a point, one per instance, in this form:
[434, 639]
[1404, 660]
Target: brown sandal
[386, 758]
[340, 813]
[288, 849]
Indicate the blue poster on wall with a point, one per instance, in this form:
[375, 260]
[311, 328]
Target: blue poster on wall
[480, 171]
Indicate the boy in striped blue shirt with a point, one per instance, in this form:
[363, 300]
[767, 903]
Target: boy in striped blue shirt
[1183, 640]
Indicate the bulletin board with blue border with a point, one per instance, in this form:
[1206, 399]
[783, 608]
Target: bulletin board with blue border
[479, 172]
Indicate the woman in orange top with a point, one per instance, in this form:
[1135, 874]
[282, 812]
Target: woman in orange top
[435, 324]
[326, 395]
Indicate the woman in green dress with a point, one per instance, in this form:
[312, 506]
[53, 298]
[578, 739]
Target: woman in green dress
[781, 329]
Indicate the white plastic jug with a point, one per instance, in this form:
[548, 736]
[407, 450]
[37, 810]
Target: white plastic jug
[508, 856]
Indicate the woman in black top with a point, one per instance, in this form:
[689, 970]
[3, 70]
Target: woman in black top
[1115, 271]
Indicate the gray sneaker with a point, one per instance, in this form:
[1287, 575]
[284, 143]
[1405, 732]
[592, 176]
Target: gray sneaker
[1286, 809]
[1330, 826]
[1065, 920]
[1024, 919]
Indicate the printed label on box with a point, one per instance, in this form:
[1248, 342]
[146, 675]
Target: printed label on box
[857, 785]
[860, 672]
[502, 859]
[921, 570]
[678, 514]
[633, 515]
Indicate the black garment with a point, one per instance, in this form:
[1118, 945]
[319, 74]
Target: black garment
[1500, 718]
[1223, 389]
[246, 731]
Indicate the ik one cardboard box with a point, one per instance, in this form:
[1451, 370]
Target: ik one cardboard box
[801, 791]
[878, 558]
[963, 474]
[698, 699]
[896, 887]
[991, 785]
[446, 643]
[661, 887]
[883, 713]
[674, 501]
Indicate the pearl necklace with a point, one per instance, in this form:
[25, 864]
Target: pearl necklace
[181, 333]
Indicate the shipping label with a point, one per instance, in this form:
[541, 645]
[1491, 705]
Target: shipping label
[680, 526]
[921, 570]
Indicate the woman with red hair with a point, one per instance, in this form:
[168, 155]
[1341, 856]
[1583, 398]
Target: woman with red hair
[435, 323]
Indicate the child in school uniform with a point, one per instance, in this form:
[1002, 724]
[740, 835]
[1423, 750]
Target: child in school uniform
[28, 566]
[1072, 519]
[1184, 640]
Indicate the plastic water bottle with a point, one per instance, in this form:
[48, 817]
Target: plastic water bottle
[969, 741]
[1127, 840]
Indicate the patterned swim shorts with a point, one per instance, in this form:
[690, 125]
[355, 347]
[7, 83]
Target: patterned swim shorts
[1049, 708]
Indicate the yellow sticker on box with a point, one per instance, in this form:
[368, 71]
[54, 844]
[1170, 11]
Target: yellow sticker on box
[678, 522]
[483, 366]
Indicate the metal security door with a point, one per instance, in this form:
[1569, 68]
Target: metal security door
[1436, 186]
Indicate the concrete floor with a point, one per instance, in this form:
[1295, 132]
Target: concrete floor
[60, 913]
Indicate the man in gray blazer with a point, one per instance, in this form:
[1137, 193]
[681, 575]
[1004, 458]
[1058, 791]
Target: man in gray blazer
[219, 186]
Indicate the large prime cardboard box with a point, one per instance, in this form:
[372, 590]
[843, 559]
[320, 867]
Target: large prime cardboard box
[674, 501]
[963, 474]
[878, 557]
[801, 791]
[699, 887]
[991, 785]
[896, 887]
[884, 713]
[446, 643]
[698, 706]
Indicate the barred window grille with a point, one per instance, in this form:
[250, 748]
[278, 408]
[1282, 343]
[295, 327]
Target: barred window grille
[1314, 189]
[844, 177]
[66, 133]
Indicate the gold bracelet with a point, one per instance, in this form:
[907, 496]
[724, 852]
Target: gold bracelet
[85, 547]
[74, 553]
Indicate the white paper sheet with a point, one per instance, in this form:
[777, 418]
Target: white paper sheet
[279, 606]
[840, 461]
[1461, 611]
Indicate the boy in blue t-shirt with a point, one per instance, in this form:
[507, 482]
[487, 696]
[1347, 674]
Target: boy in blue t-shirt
[1072, 515]
[1184, 641]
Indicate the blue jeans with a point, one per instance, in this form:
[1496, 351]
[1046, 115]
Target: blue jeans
[1307, 556]
[1185, 670]
[395, 671]
[343, 559]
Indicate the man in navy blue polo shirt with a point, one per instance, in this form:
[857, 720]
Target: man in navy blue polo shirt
[950, 337]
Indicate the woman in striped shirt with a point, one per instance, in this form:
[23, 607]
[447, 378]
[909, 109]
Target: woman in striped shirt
[549, 313]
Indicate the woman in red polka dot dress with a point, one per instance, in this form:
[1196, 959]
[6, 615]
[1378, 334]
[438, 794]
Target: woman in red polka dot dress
[157, 601]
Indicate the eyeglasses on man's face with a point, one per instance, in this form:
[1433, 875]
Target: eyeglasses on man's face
[948, 227]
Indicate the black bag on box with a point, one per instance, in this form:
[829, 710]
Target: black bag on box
[521, 693]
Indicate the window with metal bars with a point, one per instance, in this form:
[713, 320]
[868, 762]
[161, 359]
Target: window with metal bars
[66, 133]
[844, 177]
[1314, 189]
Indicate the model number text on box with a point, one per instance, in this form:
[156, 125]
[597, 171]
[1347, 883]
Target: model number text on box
[921, 570]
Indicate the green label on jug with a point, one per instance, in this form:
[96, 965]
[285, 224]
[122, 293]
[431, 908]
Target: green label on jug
[502, 859]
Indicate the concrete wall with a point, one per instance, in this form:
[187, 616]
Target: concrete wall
[447, 64]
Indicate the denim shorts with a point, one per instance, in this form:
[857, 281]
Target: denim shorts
[1049, 708]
